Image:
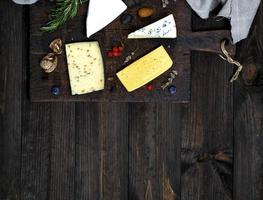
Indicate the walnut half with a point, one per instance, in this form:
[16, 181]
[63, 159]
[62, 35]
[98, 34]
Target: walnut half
[56, 46]
[49, 63]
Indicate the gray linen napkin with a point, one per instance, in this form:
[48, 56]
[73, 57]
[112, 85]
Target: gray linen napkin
[240, 12]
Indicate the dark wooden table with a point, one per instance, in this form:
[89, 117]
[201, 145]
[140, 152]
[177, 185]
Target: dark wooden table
[208, 149]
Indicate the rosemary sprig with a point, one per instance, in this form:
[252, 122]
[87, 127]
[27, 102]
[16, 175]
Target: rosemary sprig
[64, 11]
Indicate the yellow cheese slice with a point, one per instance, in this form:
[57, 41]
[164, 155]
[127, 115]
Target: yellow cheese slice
[85, 66]
[145, 69]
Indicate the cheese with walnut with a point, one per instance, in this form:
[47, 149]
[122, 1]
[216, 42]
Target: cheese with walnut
[85, 66]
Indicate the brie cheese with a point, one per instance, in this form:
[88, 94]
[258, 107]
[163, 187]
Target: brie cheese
[163, 28]
[101, 13]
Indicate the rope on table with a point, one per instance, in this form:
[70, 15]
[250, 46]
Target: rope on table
[226, 56]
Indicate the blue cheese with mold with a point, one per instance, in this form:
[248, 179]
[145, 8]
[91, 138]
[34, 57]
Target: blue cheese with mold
[163, 28]
[85, 66]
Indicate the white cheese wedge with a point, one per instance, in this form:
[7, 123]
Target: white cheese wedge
[101, 13]
[85, 66]
[164, 28]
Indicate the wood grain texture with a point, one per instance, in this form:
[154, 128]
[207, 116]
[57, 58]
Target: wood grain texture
[179, 50]
[88, 154]
[12, 59]
[62, 155]
[133, 151]
[248, 157]
[36, 150]
[154, 156]
[208, 133]
[113, 131]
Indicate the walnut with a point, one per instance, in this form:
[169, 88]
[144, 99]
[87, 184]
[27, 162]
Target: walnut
[49, 63]
[56, 46]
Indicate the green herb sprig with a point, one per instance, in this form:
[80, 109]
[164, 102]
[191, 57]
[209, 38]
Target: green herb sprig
[64, 11]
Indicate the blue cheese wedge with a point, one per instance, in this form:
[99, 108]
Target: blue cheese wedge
[164, 28]
[85, 66]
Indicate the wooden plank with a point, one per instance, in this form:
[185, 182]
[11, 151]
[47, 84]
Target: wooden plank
[248, 162]
[88, 155]
[113, 131]
[11, 57]
[62, 158]
[154, 156]
[248, 145]
[170, 121]
[41, 83]
[36, 149]
[179, 50]
[101, 151]
[48, 151]
[207, 139]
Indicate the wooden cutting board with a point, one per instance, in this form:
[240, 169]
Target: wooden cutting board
[74, 31]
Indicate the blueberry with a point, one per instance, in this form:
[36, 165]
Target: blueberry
[112, 89]
[126, 19]
[55, 90]
[172, 89]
